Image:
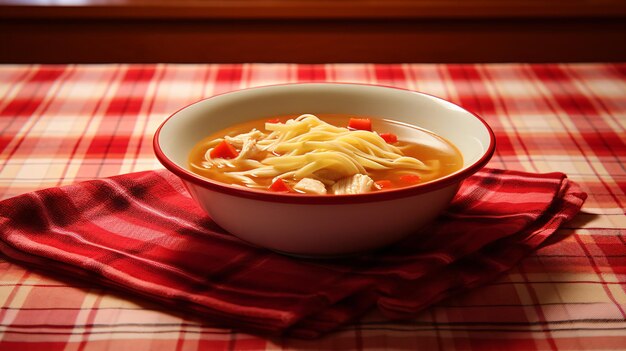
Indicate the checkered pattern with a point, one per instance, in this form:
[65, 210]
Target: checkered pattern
[61, 124]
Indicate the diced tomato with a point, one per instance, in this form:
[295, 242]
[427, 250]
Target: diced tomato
[410, 179]
[390, 138]
[273, 120]
[360, 124]
[224, 150]
[384, 184]
[279, 186]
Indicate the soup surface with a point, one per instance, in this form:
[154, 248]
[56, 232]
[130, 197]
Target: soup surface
[345, 154]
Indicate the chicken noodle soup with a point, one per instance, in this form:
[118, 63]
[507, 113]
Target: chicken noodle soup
[333, 154]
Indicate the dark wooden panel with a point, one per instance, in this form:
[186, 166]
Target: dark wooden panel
[158, 36]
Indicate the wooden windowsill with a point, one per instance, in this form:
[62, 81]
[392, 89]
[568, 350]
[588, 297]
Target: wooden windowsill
[311, 9]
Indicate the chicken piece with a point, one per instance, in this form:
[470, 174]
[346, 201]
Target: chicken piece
[246, 143]
[310, 186]
[356, 184]
[239, 140]
[248, 150]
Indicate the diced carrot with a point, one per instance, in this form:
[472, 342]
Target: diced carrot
[360, 124]
[224, 150]
[390, 138]
[273, 120]
[384, 184]
[279, 186]
[410, 179]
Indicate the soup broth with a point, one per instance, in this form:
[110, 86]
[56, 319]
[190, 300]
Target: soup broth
[439, 155]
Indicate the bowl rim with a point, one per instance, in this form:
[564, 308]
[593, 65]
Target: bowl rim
[297, 198]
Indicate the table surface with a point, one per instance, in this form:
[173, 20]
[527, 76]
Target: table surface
[67, 123]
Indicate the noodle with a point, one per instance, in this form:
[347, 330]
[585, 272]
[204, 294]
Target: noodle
[307, 147]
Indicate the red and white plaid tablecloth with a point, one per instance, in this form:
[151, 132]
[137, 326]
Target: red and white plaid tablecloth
[62, 124]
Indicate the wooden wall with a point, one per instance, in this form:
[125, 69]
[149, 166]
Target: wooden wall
[310, 31]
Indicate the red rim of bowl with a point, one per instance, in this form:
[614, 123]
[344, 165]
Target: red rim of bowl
[240, 191]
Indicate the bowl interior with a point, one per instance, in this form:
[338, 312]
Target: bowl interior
[188, 126]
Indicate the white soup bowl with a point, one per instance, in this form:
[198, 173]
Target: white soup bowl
[323, 225]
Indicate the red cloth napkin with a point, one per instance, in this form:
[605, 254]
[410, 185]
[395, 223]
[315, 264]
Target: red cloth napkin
[142, 233]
